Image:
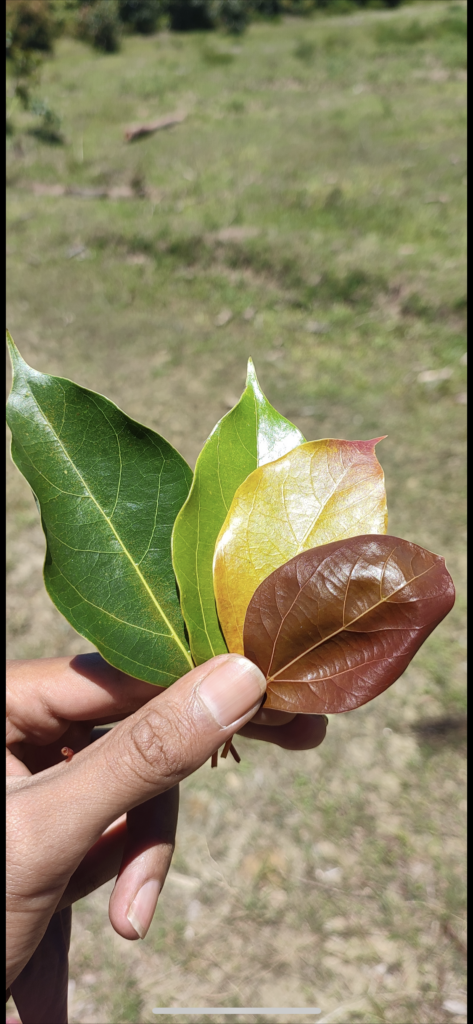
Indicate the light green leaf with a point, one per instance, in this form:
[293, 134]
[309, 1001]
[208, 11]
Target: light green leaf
[250, 435]
[109, 491]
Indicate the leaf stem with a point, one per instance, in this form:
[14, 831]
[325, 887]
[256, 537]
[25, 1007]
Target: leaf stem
[226, 747]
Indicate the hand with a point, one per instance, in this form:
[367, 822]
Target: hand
[67, 831]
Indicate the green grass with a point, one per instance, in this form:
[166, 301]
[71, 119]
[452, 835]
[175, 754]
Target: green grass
[319, 182]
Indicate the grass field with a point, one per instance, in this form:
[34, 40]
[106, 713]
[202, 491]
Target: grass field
[309, 211]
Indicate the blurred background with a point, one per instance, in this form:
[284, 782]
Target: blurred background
[191, 182]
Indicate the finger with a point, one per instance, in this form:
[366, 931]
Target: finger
[304, 732]
[137, 847]
[14, 765]
[146, 860]
[267, 717]
[164, 741]
[44, 695]
[37, 757]
[100, 864]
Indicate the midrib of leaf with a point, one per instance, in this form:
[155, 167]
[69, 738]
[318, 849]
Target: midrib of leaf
[327, 499]
[124, 622]
[197, 576]
[325, 503]
[160, 610]
[340, 628]
[218, 476]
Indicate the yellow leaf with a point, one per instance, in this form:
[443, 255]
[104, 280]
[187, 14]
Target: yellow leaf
[320, 492]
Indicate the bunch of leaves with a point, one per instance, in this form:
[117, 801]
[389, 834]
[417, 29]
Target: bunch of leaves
[25, 66]
[30, 25]
[98, 23]
[140, 16]
[190, 15]
[304, 8]
[232, 15]
[275, 547]
[49, 127]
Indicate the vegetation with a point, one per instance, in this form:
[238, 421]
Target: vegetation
[308, 212]
[34, 24]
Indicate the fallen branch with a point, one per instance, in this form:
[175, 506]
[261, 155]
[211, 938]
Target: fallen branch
[154, 126]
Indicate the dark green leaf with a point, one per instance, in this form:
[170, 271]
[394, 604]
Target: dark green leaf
[109, 491]
[250, 435]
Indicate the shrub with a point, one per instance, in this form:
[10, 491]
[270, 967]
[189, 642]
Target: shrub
[454, 23]
[232, 15]
[25, 67]
[401, 35]
[190, 15]
[99, 24]
[140, 15]
[64, 13]
[266, 8]
[49, 127]
[304, 50]
[303, 8]
[30, 25]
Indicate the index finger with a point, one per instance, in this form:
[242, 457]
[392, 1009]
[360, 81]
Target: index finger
[44, 694]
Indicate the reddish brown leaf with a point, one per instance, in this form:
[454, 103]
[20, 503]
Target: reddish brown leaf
[338, 624]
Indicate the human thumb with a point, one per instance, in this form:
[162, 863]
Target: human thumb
[171, 736]
[70, 805]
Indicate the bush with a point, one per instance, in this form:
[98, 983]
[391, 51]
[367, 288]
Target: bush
[232, 15]
[64, 13]
[30, 25]
[454, 23]
[305, 50]
[49, 127]
[140, 15]
[25, 67]
[304, 8]
[99, 24]
[401, 35]
[190, 15]
[25, 64]
[266, 8]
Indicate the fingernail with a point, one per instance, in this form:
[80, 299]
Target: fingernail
[232, 689]
[143, 907]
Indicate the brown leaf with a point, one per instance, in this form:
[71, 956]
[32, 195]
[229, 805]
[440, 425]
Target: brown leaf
[338, 624]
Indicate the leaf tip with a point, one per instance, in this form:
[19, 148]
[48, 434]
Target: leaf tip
[251, 378]
[15, 357]
[250, 370]
[370, 445]
[11, 345]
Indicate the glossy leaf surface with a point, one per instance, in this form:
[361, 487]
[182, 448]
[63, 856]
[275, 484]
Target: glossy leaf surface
[109, 491]
[250, 435]
[320, 492]
[338, 624]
